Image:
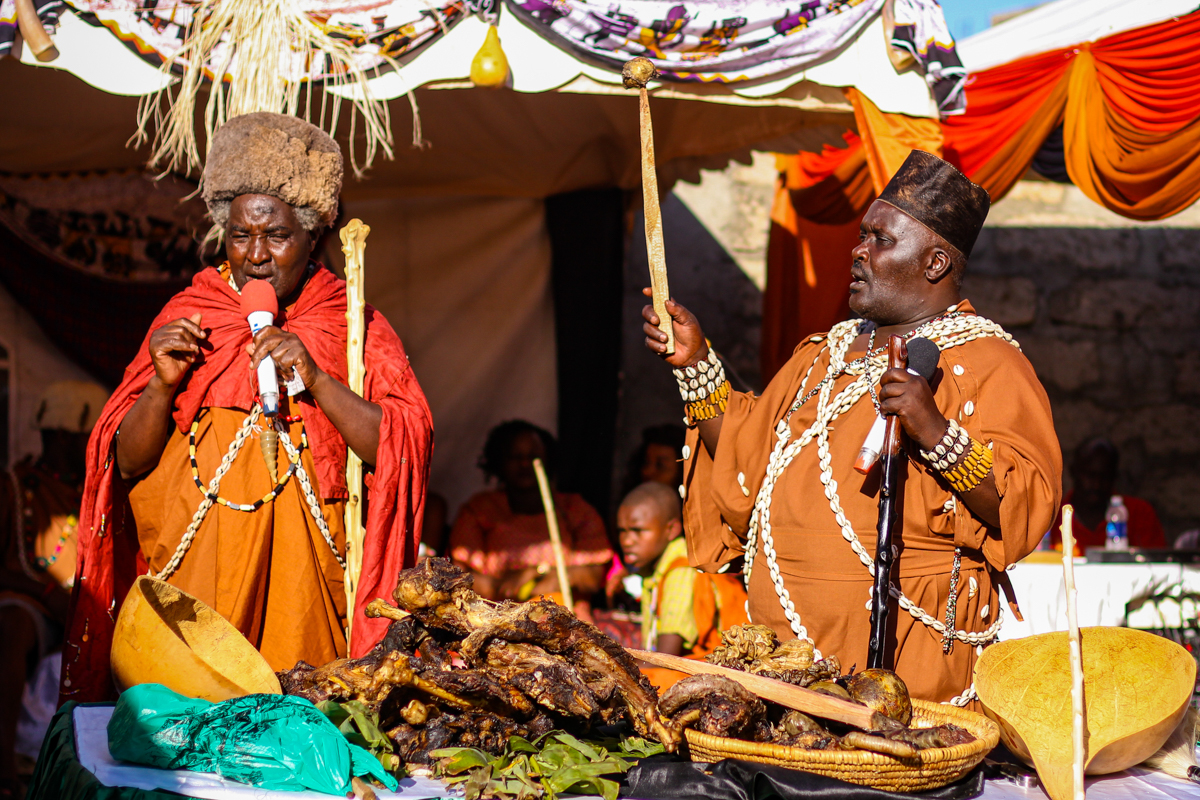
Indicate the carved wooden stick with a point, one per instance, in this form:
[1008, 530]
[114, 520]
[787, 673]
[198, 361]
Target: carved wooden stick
[560, 559]
[636, 74]
[1078, 709]
[34, 33]
[354, 237]
[785, 694]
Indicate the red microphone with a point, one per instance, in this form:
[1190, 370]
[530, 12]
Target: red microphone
[259, 306]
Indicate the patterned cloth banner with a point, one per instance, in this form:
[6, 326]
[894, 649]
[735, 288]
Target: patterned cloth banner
[397, 29]
[731, 41]
[119, 225]
[707, 41]
[924, 34]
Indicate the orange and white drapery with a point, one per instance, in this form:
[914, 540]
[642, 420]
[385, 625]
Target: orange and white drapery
[819, 200]
[1130, 116]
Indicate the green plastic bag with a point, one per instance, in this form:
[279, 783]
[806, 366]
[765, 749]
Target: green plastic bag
[266, 740]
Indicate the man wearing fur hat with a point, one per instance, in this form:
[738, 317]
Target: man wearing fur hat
[772, 478]
[177, 485]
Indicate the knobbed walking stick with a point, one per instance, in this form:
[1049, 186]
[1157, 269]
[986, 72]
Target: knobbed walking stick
[636, 74]
[354, 239]
[889, 516]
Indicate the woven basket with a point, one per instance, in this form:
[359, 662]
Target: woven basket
[929, 770]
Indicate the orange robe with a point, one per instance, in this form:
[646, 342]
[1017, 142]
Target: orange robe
[278, 545]
[270, 572]
[986, 384]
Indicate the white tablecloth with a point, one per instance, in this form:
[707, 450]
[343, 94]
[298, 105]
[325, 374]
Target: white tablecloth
[1105, 591]
[91, 746]
[1136, 784]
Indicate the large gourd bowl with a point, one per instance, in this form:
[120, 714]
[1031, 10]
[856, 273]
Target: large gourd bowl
[1137, 687]
[164, 635]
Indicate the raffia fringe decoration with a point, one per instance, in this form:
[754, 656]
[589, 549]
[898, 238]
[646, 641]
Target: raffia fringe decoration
[268, 47]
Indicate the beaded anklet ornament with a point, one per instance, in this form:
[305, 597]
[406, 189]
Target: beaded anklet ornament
[704, 388]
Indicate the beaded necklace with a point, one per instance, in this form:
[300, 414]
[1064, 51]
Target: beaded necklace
[863, 361]
[211, 492]
[293, 463]
[949, 330]
[32, 564]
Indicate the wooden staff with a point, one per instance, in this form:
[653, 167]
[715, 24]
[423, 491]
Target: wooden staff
[636, 74]
[1078, 712]
[560, 559]
[354, 238]
[889, 514]
[817, 704]
[34, 33]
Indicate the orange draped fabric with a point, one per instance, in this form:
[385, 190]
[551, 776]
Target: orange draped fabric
[1130, 112]
[808, 258]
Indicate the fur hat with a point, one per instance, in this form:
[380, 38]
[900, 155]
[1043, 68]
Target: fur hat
[276, 155]
[941, 198]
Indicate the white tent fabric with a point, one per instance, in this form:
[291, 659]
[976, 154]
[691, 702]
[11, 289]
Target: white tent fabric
[465, 281]
[1061, 24]
[99, 58]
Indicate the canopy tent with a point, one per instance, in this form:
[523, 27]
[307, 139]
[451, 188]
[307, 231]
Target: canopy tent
[1116, 115]
[462, 259]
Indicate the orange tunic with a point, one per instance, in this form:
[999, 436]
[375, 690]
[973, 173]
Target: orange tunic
[986, 384]
[269, 572]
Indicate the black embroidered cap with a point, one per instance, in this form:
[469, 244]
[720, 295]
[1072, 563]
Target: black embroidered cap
[941, 198]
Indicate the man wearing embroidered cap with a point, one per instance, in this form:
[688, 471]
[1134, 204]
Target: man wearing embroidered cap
[772, 478]
[177, 485]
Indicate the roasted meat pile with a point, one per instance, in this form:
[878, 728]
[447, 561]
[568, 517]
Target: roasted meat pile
[521, 669]
[719, 706]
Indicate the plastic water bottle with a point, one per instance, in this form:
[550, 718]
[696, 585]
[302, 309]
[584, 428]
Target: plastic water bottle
[1116, 524]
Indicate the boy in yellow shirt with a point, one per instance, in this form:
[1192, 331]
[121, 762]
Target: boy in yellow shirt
[683, 610]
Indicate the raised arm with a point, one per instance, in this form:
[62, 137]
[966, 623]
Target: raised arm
[146, 426]
[356, 419]
[690, 348]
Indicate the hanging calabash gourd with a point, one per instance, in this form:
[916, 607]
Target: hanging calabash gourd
[1137, 687]
[489, 68]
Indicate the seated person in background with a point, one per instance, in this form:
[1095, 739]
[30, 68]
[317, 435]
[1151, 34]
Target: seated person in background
[39, 512]
[501, 535]
[658, 459]
[1094, 473]
[683, 610]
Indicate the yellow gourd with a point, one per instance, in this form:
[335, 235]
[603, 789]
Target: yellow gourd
[1136, 689]
[489, 68]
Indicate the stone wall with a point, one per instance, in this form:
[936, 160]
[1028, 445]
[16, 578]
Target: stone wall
[1110, 318]
[1107, 310]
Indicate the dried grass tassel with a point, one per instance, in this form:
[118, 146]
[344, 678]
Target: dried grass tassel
[268, 440]
[1177, 757]
[266, 50]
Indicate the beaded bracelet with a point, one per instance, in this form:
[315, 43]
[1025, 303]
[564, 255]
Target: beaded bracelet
[950, 449]
[704, 388]
[971, 469]
[700, 379]
[711, 407]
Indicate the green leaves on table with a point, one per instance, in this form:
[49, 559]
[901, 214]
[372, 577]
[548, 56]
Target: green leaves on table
[553, 764]
[361, 727]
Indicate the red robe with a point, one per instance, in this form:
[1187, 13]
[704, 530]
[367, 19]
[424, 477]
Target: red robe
[109, 556]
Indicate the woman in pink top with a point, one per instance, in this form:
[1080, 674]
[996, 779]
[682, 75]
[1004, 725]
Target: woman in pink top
[501, 535]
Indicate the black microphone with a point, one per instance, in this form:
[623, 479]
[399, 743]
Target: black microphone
[923, 358]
